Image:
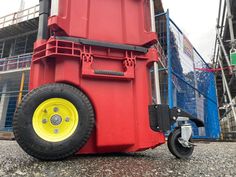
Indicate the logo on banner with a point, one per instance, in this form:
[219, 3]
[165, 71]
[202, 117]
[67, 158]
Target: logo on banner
[188, 48]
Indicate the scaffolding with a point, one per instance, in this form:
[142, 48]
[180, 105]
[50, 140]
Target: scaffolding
[18, 62]
[225, 45]
[18, 32]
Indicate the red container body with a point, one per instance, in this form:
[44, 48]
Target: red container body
[117, 21]
[120, 102]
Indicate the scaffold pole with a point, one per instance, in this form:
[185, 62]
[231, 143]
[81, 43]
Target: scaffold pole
[21, 87]
[156, 69]
[227, 89]
[223, 50]
[231, 28]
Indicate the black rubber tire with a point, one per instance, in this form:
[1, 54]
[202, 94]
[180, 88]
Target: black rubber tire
[176, 148]
[35, 146]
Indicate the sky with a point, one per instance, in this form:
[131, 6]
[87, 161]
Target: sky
[11, 6]
[196, 18]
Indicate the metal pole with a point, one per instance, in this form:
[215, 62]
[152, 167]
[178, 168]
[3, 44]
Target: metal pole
[218, 22]
[223, 84]
[3, 48]
[20, 13]
[225, 100]
[231, 28]
[155, 67]
[221, 27]
[21, 87]
[157, 83]
[224, 91]
[223, 49]
[170, 88]
[22, 5]
[227, 89]
[43, 19]
[26, 41]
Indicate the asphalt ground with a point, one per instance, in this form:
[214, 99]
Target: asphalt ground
[209, 159]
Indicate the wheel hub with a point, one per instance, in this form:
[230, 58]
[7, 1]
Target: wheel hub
[56, 119]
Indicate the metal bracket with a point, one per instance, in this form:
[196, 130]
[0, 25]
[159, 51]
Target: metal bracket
[159, 116]
[186, 133]
[162, 117]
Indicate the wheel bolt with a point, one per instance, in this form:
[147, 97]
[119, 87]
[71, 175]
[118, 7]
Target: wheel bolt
[56, 131]
[55, 109]
[67, 119]
[44, 121]
[45, 111]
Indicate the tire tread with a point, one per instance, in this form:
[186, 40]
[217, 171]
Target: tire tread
[60, 86]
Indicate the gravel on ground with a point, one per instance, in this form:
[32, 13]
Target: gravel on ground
[209, 159]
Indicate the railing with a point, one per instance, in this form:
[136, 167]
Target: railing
[20, 16]
[15, 62]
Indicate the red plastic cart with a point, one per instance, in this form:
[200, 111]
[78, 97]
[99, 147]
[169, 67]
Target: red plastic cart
[90, 83]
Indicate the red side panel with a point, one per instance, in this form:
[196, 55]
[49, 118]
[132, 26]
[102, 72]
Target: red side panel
[120, 102]
[117, 21]
[121, 97]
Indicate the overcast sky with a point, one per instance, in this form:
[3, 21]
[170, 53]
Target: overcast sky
[11, 6]
[196, 18]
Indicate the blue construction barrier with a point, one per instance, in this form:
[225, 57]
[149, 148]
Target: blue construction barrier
[191, 86]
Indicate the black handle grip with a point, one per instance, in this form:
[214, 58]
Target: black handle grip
[109, 72]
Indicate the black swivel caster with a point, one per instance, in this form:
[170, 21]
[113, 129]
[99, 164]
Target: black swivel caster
[177, 148]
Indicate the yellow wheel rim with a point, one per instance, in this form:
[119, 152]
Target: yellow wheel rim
[55, 120]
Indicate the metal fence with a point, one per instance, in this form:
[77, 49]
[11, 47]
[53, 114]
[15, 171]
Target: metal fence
[20, 16]
[14, 81]
[13, 87]
[15, 62]
[190, 85]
